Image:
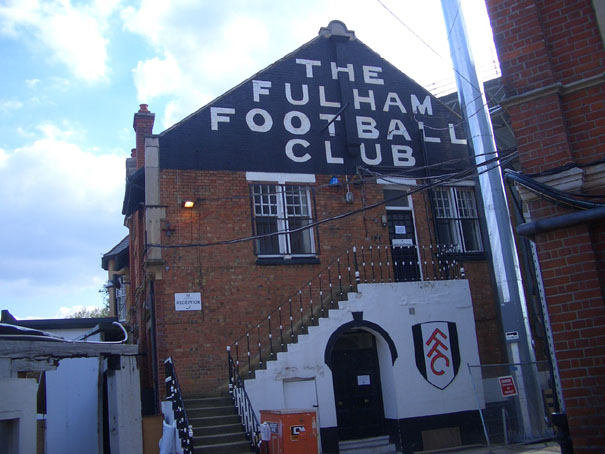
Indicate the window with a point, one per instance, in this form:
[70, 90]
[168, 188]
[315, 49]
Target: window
[282, 208]
[457, 219]
[121, 299]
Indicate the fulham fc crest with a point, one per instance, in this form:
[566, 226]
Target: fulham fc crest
[437, 352]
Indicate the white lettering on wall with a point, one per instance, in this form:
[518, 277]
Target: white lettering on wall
[329, 158]
[371, 162]
[256, 127]
[453, 137]
[216, 117]
[370, 75]
[308, 65]
[357, 100]
[366, 128]
[304, 126]
[402, 156]
[393, 100]
[346, 69]
[322, 99]
[260, 87]
[426, 138]
[297, 102]
[290, 150]
[397, 128]
[425, 108]
[329, 117]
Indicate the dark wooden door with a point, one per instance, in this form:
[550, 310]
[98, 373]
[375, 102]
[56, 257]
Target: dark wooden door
[357, 390]
[403, 245]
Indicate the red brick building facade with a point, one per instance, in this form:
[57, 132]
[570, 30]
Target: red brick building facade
[552, 57]
[328, 149]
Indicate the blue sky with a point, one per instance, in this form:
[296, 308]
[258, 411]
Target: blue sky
[74, 72]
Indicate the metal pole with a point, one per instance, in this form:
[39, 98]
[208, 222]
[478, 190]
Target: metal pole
[470, 372]
[503, 250]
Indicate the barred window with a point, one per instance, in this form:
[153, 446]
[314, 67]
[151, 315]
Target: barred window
[457, 219]
[282, 208]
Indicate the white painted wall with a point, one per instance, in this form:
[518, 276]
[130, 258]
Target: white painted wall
[73, 401]
[18, 402]
[406, 393]
[125, 411]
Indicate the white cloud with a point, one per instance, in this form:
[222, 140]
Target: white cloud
[61, 210]
[3, 158]
[32, 83]
[75, 34]
[208, 48]
[7, 106]
[156, 77]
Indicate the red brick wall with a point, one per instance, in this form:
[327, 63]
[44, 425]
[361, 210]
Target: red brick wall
[553, 50]
[237, 293]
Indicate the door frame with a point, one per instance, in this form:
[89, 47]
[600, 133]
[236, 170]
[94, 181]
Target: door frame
[410, 208]
[376, 384]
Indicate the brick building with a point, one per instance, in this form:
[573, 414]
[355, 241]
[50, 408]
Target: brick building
[552, 58]
[327, 184]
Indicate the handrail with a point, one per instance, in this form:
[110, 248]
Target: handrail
[173, 393]
[242, 402]
[366, 264]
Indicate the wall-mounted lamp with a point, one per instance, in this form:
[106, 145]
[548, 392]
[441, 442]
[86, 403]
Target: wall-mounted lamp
[334, 181]
[383, 218]
[188, 204]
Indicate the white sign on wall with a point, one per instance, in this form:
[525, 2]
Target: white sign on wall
[188, 301]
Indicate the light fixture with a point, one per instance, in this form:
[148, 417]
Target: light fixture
[188, 203]
[334, 182]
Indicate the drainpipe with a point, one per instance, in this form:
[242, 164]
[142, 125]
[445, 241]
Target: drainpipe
[506, 268]
[558, 222]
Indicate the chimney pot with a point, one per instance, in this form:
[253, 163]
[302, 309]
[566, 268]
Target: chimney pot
[143, 108]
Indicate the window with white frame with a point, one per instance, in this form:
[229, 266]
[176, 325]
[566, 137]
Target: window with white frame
[457, 218]
[282, 208]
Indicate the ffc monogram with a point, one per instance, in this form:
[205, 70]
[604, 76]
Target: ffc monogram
[437, 352]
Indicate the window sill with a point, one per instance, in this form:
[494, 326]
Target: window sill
[287, 261]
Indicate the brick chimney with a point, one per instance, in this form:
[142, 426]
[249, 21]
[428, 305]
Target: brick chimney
[143, 127]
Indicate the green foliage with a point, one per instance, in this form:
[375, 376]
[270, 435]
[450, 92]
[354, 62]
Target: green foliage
[96, 312]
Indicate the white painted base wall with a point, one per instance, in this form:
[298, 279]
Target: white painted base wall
[395, 307]
[18, 405]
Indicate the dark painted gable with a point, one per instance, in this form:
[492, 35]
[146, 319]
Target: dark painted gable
[279, 120]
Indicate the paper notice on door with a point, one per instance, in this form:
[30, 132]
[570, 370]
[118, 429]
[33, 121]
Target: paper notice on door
[400, 230]
[363, 380]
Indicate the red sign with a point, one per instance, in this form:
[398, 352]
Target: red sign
[507, 386]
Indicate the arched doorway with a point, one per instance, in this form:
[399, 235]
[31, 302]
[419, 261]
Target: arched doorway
[357, 388]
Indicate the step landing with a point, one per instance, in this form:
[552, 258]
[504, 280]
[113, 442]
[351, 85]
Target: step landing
[373, 445]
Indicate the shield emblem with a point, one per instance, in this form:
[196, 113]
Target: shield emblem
[437, 352]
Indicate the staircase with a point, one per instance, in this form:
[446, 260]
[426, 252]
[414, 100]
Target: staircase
[216, 426]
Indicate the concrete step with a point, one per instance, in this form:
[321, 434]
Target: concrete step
[232, 437]
[373, 445]
[205, 402]
[222, 448]
[223, 410]
[205, 421]
[217, 429]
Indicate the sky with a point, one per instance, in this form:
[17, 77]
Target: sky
[75, 71]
